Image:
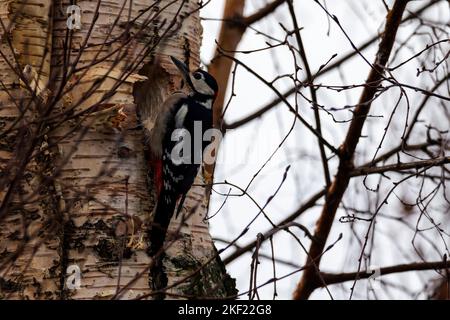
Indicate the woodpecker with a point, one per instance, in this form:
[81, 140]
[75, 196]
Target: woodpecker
[174, 172]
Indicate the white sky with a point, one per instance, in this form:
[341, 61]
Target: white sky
[253, 143]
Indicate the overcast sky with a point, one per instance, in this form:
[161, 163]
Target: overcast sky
[251, 145]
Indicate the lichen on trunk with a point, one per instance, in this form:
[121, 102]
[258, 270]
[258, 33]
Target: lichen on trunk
[87, 173]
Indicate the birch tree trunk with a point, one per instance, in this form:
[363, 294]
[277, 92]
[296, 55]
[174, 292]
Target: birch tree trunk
[76, 188]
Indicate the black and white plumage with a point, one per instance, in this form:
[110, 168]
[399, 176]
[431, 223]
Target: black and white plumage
[174, 175]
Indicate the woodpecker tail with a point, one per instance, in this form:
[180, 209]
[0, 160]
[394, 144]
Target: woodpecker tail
[164, 212]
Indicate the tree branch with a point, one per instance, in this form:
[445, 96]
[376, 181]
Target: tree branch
[338, 63]
[337, 189]
[312, 89]
[307, 205]
[332, 278]
[263, 12]
[361, 171]
[233, 28]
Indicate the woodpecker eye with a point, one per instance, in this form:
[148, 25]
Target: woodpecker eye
[197, 75]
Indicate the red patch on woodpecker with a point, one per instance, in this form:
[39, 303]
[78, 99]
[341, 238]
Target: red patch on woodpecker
[158, 175]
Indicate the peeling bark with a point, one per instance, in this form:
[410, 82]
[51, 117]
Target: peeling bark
[29, 258]
[92, 200]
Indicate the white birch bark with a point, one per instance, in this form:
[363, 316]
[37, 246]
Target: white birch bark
[92, 203]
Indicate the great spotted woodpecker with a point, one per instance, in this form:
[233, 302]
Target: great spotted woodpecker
[174, 172]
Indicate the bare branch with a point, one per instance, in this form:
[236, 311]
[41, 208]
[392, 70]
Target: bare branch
[336, 191]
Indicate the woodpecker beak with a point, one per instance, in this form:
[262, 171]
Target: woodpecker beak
[182, 67]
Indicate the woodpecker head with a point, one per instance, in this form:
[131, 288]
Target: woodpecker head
[199, 81]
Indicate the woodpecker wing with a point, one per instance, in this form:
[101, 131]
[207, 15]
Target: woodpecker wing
[155, 136]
